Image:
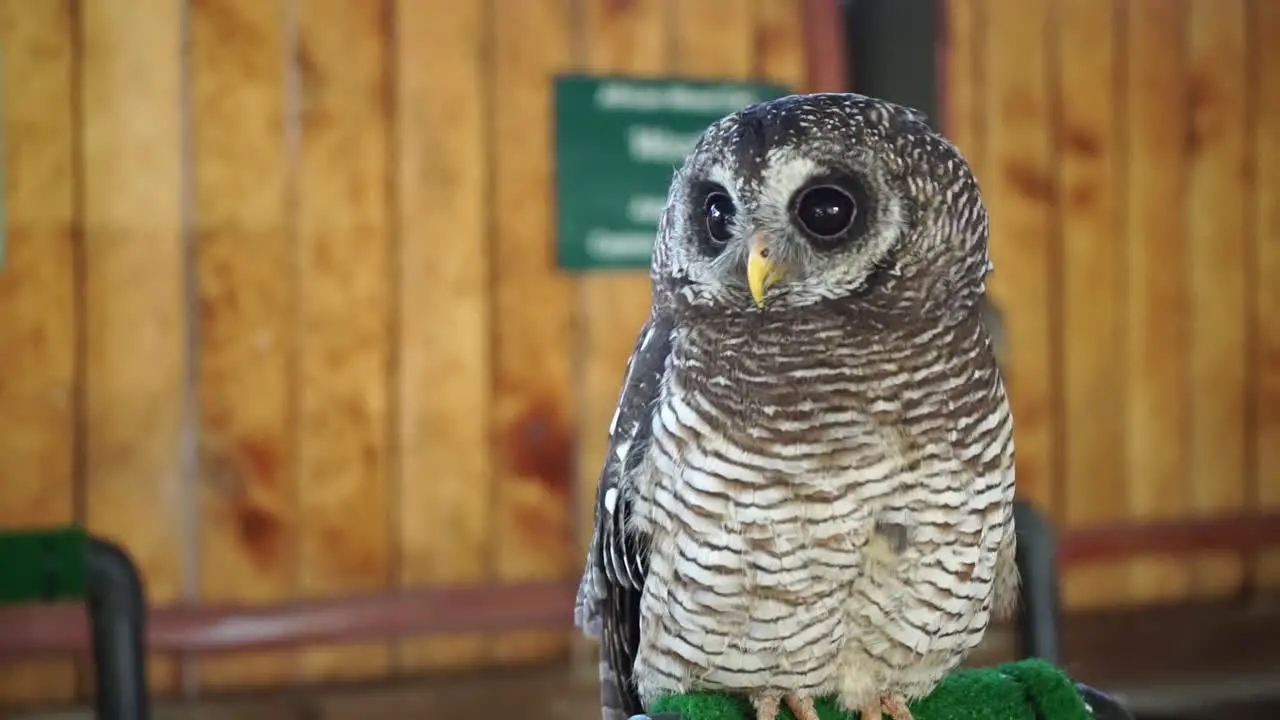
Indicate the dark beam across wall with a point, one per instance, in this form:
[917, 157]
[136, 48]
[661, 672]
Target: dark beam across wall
[892, 51]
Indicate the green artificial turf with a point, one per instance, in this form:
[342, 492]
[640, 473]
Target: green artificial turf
[1023, 690]
[44, 565]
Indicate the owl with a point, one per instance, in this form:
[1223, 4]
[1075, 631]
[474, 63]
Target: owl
[809, 484]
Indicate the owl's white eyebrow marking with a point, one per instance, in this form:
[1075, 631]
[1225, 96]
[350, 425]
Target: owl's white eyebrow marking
[724, 177]
[784, 173]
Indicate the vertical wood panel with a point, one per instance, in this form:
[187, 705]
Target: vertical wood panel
[247, 303]
[444, 321]
[345, 245]
[1019, 191]
[533, 387]
[628, 39]
[131, 110]
[1090, 195]
[1217, 256]
[38, 285]
[778, 46]
[1158, 303]
[360, 362]
[729, 56]
[1264, 20]
[963, 103]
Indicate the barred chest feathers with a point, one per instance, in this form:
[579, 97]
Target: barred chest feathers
[823, 510]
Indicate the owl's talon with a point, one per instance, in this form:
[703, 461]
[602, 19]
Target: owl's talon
[801, 707]
[889, 703]
[896, 706]
[766, 707]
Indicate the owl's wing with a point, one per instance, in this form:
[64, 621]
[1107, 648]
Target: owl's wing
[608, 604]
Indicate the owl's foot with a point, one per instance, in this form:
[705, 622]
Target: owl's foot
[892, 703]
[801, 707]
[767, 706]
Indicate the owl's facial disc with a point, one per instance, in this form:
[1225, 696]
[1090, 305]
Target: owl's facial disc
[804, 230]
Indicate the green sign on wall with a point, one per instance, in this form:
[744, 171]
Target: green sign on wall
[618, 141]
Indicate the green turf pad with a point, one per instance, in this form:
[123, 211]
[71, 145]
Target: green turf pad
[1023, 690]
[42, 565]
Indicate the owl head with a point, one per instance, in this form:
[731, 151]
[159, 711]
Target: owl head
[826, 197]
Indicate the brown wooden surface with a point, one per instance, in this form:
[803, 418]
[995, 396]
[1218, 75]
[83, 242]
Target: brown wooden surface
[1218, 194]
[350, 620]
[631, 39]
[344, 362]
[1117, 148]
[963, 78]
[1264, 63]
[823, 32]
[293, 328]
[136, 306]
[1019, 184]
[246, 285]
[39, 288]
[533, 409]
[344, 251]
[1223, 651]
[1158, 303]
[780, 43]
[1092, 286]
[443, 320]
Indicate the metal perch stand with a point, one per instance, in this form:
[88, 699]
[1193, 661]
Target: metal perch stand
[117, 615]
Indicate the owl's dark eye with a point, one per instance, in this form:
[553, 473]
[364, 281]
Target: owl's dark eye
[825, 211]
[719, 210]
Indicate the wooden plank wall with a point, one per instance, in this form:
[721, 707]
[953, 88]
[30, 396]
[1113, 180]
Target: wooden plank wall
[1127, 152]
[280, 312]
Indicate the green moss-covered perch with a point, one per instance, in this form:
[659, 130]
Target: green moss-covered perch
[1023, 690]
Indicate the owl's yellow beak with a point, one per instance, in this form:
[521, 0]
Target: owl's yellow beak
[762, 272]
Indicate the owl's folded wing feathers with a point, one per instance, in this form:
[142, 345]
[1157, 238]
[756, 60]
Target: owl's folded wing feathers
[608, 604]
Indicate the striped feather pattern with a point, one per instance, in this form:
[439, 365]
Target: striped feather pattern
[814, 497]
[787, 450]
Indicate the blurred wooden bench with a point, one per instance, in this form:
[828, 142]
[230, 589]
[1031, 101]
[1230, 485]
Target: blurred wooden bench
[39, 567]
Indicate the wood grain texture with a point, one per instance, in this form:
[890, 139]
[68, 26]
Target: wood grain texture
[247, 293]
[344, 236]
[1090, 195]
[533, 413]
[1218, 244]
[446, 478]
[396, 385]
[1019, 189]
[963, 74]
[135, 290]
[38, 287]
[1264, 44]
[730, 55]
[778, 46]
[628, 39]
[1158, 303]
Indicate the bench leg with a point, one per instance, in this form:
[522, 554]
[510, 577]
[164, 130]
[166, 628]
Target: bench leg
[1039, 623]
[117, 616]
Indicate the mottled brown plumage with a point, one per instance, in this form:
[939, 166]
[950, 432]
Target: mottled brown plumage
[810, 481]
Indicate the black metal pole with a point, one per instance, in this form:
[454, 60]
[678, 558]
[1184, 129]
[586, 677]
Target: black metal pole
[892, 51]
[117, 614]
[1039, 622]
